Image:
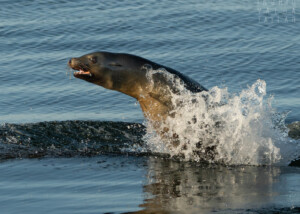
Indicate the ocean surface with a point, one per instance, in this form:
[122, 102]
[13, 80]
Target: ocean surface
[68, 146]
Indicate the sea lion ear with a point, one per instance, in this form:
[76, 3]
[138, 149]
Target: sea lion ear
[115, 64]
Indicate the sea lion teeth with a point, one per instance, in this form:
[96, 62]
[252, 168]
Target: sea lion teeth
[83, 72]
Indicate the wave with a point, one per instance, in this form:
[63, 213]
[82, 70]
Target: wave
[68, 138]
[81, 138]
[222, 127]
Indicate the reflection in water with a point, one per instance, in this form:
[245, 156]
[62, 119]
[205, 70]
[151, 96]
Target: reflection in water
[189, 187]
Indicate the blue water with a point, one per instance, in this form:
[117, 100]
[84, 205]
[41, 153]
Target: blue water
[218, 43]
[119, 184]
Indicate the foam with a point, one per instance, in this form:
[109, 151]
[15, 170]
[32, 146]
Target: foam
[222, 127]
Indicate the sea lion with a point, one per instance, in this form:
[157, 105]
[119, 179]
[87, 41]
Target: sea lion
[129, 74]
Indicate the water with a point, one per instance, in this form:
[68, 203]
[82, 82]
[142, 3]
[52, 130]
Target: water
[128, 184]
[220, 127]
[224, 45]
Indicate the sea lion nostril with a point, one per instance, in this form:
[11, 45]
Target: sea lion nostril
[70, 61]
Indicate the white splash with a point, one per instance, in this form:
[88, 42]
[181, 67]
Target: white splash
[220, 127]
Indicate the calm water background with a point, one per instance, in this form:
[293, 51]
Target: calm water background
[218, 43]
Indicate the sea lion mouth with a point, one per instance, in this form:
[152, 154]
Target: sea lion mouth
[82, 73]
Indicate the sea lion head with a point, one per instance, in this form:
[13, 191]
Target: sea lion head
[113, 71]
[93, 68]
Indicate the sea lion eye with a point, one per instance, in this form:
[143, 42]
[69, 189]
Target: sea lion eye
[93, 59]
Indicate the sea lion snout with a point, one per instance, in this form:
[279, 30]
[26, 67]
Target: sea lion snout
[83, 70]
[73, 62]
[77, 64]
